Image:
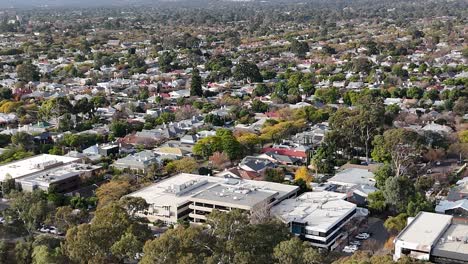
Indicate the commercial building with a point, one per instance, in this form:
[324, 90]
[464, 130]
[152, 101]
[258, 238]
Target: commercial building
[36, 164]
[61, 179]
[46, 171]
[433, 237]
[191, 197]
[317, 217]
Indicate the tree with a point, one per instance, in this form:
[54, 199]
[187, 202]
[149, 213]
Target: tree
[415, 92]
[382, 174]
[303, 174]
[127, 247]
[259, 106]
[27, 72]
[67, 217]
[295, 251]
[249, 141]
[274, 175]
[29, 208]
[205, 147]
[3, 251]
[461, 106]
[394, 224]
[165, 61]
[23, 140]
[112, 191]
[299, 48]
[463, 136]
[133, 204]
[196, 84]
[419, 203]
[247, 71]
[220, 160]
[398, 146]
[377, 201]
[119, 128]
[398, 192]
[327, 95]
[184, 165]
[43, 255]
[23, 251]
[229, 144]
[179, 245]
[111, 228]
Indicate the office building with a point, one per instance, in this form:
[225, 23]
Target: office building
[317, 217]
[191, 197]
[433, 237]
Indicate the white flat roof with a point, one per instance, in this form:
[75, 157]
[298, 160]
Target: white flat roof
[425, 229]
[353, 176]
[34, 164]
[178, 189]
[320, 210]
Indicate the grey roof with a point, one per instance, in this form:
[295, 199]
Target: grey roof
[257, 164]
[354, 176]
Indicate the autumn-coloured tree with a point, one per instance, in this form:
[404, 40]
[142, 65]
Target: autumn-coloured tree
[112, 191]
[220, 160]
[303, 174]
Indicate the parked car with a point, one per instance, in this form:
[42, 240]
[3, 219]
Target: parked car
[348, 249]
[44, 229]
[355, 242]
[362, 236]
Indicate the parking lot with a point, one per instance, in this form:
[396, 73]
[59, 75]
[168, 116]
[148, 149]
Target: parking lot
[374, 241]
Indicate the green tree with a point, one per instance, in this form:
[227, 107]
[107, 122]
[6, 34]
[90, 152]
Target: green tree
[119, 128]
[196, 84]
[299, 48]
[394, 224]
[3, 251]
[110, 228]
[23, 140]
[29, 208]
[398, 192]
[247, 71]
[382, 174]
[399, 147]
[415, 92]
[23, 252]
[127, 247]
[133, 204]
[179, 245]
[27, 72]
[295, 251]
[205, 147]
[259, 106]
[184, 165]
[377, 201]
[66, 217]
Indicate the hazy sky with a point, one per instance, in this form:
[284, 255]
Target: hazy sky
[35, 3]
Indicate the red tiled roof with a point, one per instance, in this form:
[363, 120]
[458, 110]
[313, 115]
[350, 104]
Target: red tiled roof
[286, 152]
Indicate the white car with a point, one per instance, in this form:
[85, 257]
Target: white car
[362, 236]
[349, 249]
[44, 229]
[355, 242]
